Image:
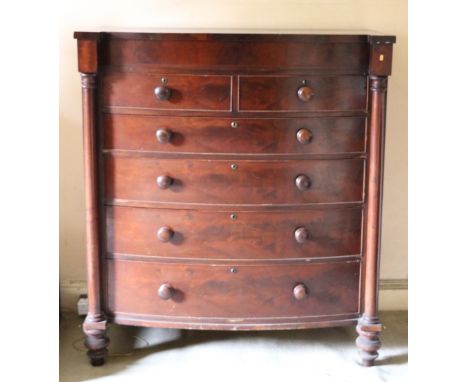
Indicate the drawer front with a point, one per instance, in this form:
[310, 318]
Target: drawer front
[233, 235]
[231, 135]
[233, 291]
[234, 182]
[289, 93]
[183, 92]
[246, 52]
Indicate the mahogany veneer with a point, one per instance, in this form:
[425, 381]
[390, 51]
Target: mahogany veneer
[233, 181]
[233, 292]
[207, 181]
[188, 92]
[278, 93]
[265, 136]
[246, 235]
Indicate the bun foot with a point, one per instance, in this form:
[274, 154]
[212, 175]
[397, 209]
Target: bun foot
[96, 341]
[368, 341]
[96, 360]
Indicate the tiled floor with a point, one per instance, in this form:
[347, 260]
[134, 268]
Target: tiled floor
[166, 355]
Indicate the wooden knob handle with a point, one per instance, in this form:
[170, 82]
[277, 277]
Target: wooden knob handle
[300, 291]
[165, 291]
[163, 135]
[165, 234]
[305, 93]
[164, 182]
[304, 136]
[301, 234]
[303, 182]
[162, 93]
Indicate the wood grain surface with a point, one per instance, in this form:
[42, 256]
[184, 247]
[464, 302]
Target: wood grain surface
[234, 235]
[261, 136]
[346, 54]
[188, 91]
[279, 93]
[233, 182]
[233, 291]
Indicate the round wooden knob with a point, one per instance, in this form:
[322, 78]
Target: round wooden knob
[305, 93]
[162, 93]
[163, 135]
[300, 291]
[301, 234]
[165, 234]
[165, 291]
[304, 136]
[164, 181]
[303, 182]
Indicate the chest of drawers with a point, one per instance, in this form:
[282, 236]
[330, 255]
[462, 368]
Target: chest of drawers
[233, 181]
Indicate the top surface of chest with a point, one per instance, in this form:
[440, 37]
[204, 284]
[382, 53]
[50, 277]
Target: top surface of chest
[320, 53]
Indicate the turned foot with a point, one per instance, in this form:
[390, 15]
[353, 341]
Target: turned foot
[96, 341]
[368, 341]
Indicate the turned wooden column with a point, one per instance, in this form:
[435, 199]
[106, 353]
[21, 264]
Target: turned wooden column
[95, 323]
[369, 326]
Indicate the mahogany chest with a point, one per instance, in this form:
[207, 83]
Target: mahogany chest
[233, 181]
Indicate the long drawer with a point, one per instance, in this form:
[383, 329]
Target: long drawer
[234, 135]
[348, 54]
[149, 288]
[234, 235]
[233, 182]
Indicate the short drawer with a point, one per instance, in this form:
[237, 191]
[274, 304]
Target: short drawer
[166, 92]
[232, 291]
[235, 135]
[234, 235]
[307, 93]
[233, 182]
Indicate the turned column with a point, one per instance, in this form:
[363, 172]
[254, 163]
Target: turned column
[369, 326]
[94, 326]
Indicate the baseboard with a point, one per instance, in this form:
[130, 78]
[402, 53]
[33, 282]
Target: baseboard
[70, 291]
[393, 294]
[393, 284]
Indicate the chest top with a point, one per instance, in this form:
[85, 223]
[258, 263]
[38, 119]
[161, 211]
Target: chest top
[315, 53]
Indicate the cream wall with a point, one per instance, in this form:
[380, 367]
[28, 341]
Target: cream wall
[387, 16]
